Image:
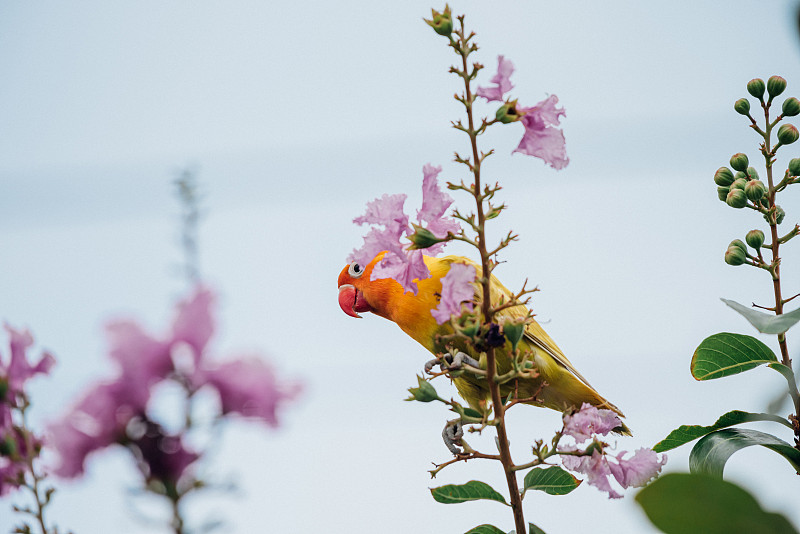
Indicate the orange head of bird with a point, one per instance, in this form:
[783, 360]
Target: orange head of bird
[359, 294]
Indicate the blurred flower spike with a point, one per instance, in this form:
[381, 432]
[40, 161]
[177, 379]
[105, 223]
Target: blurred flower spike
[16, 441]
[596, 463]
[542, 138]
[404, 262]
[116, 411]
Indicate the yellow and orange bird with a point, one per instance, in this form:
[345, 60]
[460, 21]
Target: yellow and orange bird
[566, 389]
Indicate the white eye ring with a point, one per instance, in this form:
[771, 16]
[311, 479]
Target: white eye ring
[355, 270]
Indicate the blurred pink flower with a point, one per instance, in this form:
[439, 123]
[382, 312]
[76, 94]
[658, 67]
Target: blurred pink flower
[107, 413]
[588, 421]
[502, 81]
[97, 421]
[456, 288]
[18, 370]
[248, 387]
[403, 265]
[541, 138]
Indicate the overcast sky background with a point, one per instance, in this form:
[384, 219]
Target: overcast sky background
[295, 116]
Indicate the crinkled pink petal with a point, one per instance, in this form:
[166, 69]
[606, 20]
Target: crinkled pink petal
[456, 289]
[19, 370]
[596, 469]
[143, 360]
[249, 387]
[387, 210]
[541, 138]
[588, 421]
[434, 201]
[404, 269]
[376, 241]
[639, 469]
[194, 323]
[502, 81]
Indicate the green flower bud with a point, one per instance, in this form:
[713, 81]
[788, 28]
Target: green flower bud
[8, 446]
[775, 86]
[508, 112]
[722, 193]
[513, 330]
[756, 87]
[779, 214]
[742, 106]
[738, 243]
[442, 23]
[735, 256]
[736, 198]
[787, 134]
[3, 389]
[424, 393]
[739, 183]
[791, 107]
[739, 161]
[723, 177]
[755, 238]
[755, 190]
[423, 238]
[751, 173]
[794, 167]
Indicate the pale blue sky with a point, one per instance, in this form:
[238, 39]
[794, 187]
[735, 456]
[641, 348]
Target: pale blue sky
[296, 115]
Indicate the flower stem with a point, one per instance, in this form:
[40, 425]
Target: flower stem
[30, 455]
[464, 49]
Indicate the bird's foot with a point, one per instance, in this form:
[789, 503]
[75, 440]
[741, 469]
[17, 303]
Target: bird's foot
[452, 434]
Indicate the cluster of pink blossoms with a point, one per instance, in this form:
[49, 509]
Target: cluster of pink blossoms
[541, 138]
[400, 263]
[115, 411]
[15, 440]
[599, 467]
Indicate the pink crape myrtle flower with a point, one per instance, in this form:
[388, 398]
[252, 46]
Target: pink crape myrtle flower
[18, 370]
[401, 264]
[107, 412]
[588, 421]
[502, 81]
[599, 467]
[542, 139]
[456, 289]
[250, 388]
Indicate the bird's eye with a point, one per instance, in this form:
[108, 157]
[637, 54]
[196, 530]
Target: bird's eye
[355, 270]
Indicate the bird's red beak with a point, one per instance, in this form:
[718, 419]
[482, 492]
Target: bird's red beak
[352, 301]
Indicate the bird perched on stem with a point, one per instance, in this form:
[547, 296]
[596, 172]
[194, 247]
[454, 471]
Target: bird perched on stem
[556, 384]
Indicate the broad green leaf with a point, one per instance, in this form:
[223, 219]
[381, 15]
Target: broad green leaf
[709, 455]
[727, 354]
[764, 322]
[686, 433]
[471, 491]
[552, 480]
[680, 503]
[485, 529]
[533, 529]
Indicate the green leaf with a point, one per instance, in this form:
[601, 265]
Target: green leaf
[709, 455]
[485, 529]
[686, 433]
[551, 480]
[680, 503]
[727, 354]
[764, 322]
[471, 491]
[533, 529]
